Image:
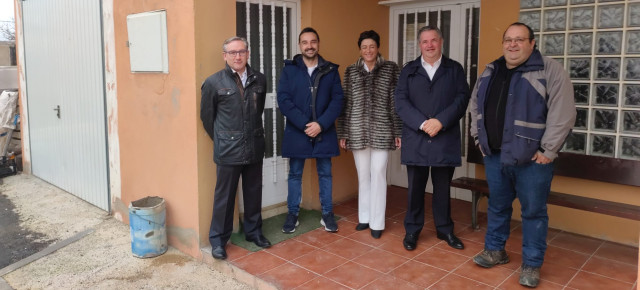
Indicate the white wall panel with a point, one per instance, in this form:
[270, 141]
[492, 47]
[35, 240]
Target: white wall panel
[64, 67]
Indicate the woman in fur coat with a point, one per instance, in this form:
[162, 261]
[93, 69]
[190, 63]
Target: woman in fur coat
[369, 127]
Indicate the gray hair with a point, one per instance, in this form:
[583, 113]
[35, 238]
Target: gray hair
[430, 28]
[235, 38]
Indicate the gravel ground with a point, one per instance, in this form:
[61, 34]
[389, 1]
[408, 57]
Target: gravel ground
[100, 260]
[16, 242]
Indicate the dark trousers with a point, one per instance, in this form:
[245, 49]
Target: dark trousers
[225, 197]
[441, 202]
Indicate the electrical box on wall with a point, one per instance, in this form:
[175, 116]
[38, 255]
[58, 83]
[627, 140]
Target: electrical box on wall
[148, 41]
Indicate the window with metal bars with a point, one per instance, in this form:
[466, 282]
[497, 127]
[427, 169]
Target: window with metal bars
[269, 26]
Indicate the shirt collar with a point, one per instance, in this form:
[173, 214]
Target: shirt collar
[435, 64]
[243, 75]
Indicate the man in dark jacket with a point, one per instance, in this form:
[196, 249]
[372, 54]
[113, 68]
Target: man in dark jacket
[310, 96]
[522, 110]
[231, 112]
[431, 97]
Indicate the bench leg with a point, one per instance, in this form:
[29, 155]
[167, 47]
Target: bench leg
[475, 197]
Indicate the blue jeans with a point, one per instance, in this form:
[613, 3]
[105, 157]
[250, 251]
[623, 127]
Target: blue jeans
[296, 166]
[531, 184]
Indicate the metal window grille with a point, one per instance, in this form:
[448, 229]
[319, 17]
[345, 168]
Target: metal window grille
[269, 26]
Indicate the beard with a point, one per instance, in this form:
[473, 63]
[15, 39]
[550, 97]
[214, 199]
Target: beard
[310, 54]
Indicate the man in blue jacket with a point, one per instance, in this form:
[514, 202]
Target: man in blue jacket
[310, 96]
[431, 97]
[522, 110]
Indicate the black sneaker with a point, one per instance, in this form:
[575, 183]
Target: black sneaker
[290, 224]
[530, 276]
[329, 223]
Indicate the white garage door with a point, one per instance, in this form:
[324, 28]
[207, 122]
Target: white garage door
[66, 96]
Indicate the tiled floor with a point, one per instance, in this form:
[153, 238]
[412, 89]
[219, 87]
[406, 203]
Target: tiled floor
[354, 260]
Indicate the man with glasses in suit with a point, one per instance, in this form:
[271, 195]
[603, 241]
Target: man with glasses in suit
[231, 112]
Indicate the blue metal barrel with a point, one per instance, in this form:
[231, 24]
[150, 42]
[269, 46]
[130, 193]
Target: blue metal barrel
[148, 231]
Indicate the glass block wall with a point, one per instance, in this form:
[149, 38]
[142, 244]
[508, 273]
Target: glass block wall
[598, 42]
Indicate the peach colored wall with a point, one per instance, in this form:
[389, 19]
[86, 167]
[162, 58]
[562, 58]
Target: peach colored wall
[158, 123]
[165, 151]
[210, 32]
[494, 19]
[339, 24]
[495, 16]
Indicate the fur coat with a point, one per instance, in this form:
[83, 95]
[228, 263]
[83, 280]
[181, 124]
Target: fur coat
[368, 119]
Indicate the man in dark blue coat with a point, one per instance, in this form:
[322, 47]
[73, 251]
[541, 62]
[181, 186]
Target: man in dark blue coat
[310, 96]
[431, 97]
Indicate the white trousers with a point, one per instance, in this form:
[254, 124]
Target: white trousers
[371, 165]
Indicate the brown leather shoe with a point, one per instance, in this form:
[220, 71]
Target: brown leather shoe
[490, 258]
[530, 276]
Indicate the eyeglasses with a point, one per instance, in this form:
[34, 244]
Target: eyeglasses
[234, 53]
[512, 40]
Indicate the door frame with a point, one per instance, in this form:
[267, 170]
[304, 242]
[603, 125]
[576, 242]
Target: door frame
[114, 191]
[275, 169]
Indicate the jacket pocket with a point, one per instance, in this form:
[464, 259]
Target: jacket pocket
[527, 141]
[226, 92]
[230, 145]
[530, 131]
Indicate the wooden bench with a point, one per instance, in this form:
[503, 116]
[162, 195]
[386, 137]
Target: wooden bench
[480, 188]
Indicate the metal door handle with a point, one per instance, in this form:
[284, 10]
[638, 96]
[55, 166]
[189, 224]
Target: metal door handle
[57, 109]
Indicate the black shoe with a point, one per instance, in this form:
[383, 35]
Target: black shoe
[410, 241]
[361, 227]
[219, 253]
[260, 241]
[376, 234]
[452, 240]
